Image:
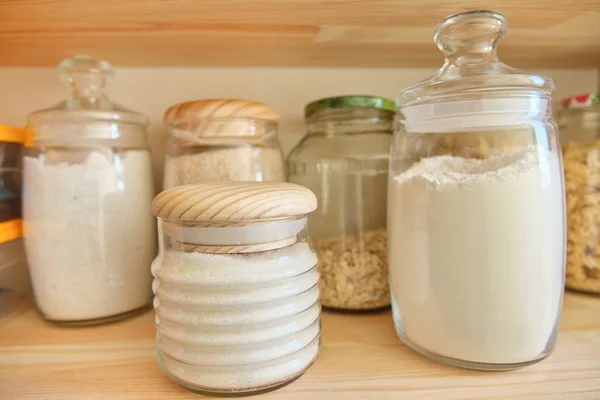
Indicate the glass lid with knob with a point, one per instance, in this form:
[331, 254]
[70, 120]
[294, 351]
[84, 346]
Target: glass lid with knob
[472, 69]
[88, 114]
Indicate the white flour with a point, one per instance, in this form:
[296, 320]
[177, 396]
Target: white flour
[90, 234]
[476, 256]
[237, 321]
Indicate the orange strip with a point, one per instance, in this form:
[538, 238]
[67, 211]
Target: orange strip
[11, 134]
[10, 230]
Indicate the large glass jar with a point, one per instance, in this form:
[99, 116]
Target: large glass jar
[89, 232]
[343, 159]
[237, 296]
[476, 207]
[579, 121]
[221, 140]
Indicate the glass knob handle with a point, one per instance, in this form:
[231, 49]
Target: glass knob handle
[86, 76]
[471, 32]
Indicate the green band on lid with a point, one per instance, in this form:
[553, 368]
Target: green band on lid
[373, 102]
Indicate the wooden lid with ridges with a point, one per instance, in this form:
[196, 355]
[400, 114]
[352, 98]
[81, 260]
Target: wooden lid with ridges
[234, 201]
[220, 119]
[220, 108]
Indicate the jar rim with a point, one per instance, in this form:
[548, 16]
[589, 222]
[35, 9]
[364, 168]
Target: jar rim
[350, 101]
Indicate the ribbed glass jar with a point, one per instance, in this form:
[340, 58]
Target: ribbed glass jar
[236, 295]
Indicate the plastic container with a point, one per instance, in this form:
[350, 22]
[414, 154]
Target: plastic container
[14, 282]
[579, 121]
[236, 289]
[90, 235]
[343, 159]
[476, 207]
[221, 140]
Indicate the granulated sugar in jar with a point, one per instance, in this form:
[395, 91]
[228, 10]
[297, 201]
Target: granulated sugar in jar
[87, 189]
[237, 296]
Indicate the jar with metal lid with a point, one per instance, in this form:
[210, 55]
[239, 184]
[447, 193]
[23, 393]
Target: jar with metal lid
[236, 290]
[14, 282]
[476, 206]
[343, 159]
[579, 121]
[89, 232]
[221, 140]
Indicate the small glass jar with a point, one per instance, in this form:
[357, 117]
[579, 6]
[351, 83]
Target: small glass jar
[236, 289]
[89, 232]
[579, 122]
[222, 140]
[344, 160]
[14, 282]
[476, 207]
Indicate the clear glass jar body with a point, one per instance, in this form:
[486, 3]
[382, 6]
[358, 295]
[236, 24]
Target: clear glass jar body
[89, 232]
[580, 137]
[222, 149]
[477, 233]
[344, 160]
[237, 307]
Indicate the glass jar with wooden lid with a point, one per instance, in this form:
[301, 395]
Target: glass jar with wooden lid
[236, 289]
[220, 140]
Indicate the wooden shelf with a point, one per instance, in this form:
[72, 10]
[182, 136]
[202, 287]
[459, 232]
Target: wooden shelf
[374, 33]
[361, 358]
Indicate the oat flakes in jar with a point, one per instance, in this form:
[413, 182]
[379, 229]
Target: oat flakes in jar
[476, 206]
[220, 140]
[87, 189]
[579, 121]
[236, 290]
[343, 159]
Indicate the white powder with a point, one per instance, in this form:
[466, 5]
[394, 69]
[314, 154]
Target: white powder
[233, 355]
[246, 377]
[237, 321]
[90, 234]
[235, 269]
[233, 335]
[476, 256]
[223, 163]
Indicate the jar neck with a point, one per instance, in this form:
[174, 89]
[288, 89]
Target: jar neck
[347, 121]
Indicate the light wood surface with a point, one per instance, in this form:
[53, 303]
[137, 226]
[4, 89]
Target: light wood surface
[234, 201]
[225, 119]
[542, 33]
[220, 108]
[361, 358]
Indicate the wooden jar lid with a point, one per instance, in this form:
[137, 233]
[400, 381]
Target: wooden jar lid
[221, 118]
[245, 215]
[234, 201]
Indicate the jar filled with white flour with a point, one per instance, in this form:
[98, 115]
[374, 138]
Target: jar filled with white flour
[236, 289]
[476, 207]
[87, 191]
